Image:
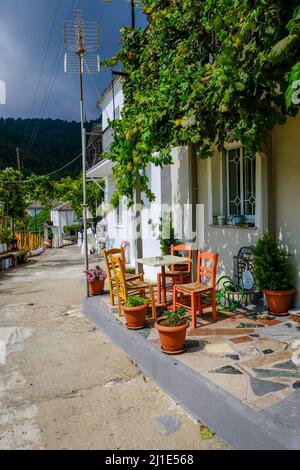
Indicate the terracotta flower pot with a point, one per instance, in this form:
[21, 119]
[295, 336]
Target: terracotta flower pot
[172, 338]
[96, 287]
[279, 301]
[135, 316]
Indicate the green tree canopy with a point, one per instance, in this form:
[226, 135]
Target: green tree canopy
[203, 73]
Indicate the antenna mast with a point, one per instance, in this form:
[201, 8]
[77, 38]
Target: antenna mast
[81, 39]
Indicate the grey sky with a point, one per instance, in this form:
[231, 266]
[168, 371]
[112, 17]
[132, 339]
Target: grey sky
[24, 32]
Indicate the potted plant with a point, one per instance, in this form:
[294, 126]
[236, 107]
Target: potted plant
[221, 219]
[96, 279]
[172, 328]
[135, 310]
[273, 274]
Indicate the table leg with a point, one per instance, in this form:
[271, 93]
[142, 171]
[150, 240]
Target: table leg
[163, 285]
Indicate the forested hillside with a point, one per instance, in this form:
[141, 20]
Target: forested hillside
[45, 144]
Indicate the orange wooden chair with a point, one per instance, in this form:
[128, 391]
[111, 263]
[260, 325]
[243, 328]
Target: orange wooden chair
[201, 293]
[126, 287]
[179, 273]
[110, 273]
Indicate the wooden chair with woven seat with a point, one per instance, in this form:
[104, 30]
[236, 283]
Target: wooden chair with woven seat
[205, 286]
[110, 273]
[178, 274]
[127, 287]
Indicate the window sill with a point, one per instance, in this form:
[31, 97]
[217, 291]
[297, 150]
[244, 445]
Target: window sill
[234, 227]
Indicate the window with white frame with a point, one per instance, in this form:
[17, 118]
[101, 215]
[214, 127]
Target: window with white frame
[240, 184]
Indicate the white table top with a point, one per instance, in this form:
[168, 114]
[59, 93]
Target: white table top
[157, 261]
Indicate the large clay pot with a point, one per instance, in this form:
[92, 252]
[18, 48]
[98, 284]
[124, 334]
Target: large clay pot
[135, 316]
[96, 287]
[279, 301]
[172, 338]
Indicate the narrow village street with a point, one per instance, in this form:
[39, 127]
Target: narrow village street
[64, 384]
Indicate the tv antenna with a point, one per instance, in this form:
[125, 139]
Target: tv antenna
[82, 44]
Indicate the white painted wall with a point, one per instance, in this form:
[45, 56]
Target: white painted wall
[107, 104]
[60, 219]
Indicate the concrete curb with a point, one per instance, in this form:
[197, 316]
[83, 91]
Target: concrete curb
[238, 425]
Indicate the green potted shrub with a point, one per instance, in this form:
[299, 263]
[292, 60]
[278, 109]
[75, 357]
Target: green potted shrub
[273, 274]
[172, 328]
[135, 311]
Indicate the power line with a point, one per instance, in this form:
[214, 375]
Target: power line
[49, 174]
[48, 92]
[37, 89]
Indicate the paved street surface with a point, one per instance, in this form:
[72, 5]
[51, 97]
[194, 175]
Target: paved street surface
[66, 386]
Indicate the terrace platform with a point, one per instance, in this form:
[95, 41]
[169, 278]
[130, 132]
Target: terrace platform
[240, 375]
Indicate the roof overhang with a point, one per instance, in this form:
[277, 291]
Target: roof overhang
[101, 170]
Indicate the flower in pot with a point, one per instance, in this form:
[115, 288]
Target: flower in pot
[273, 274]
[172, 328]
[135, 311]
[96, 279]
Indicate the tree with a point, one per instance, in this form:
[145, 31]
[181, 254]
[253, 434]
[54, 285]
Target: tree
[203, 73]
[12, 198]
[69, 189]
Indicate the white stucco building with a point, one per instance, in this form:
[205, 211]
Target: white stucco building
[264, 189]
[62, 215]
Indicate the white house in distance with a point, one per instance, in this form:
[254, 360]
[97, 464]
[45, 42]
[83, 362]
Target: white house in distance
[35, 209]
[164, 184]
[264, 189]
[62, 215]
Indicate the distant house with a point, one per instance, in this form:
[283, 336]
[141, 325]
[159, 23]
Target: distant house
[62, 215]
[35, 208]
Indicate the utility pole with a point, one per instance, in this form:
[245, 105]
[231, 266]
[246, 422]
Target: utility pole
[132, 14]
[137, 194]
[18, 161]
[81, 37]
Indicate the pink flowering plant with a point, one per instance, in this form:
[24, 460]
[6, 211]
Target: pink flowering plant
[95, 274]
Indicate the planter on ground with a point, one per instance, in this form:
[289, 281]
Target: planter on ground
[96, 279]
[280, 301]
[135, 311]
[96, 287]
[274, 275]
[172, 331]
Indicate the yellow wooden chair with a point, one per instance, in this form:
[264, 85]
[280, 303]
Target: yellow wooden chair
[126, 287]
[110, 273]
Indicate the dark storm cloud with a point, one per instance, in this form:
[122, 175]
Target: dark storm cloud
[24, 33]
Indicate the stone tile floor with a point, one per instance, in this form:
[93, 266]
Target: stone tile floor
[253, 357]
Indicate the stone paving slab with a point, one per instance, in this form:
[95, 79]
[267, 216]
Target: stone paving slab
[257, 372]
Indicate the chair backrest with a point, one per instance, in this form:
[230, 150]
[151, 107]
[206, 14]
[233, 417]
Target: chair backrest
[207, 268]
[107, 259]
[186, 250]
[119, 275]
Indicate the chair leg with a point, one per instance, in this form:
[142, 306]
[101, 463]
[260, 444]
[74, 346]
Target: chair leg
[181, 282]
[200, 306]
[194, 309]
[119, 306]
[174, 297]
[158, 289]
[111, 294]
[214, 307]
[152, 297]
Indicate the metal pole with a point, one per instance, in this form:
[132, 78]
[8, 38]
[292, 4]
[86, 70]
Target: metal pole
[83, 141]
[132, 15]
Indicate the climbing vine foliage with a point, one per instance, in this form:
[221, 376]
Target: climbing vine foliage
[201, 74]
